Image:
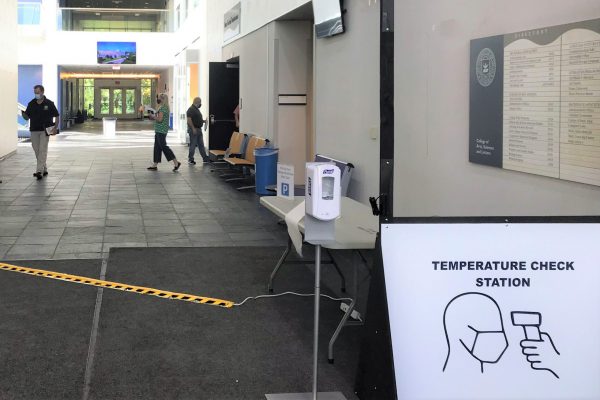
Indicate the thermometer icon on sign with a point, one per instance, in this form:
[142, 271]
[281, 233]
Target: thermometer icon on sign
[538, 347]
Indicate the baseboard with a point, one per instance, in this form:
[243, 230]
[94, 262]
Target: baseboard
[12, 153]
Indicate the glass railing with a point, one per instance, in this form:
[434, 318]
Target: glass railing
[110, 21]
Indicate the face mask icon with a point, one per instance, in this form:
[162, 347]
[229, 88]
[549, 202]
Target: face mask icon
[474, 330]
[488, 347]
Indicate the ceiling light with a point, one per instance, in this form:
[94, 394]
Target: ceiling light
[116, 67]
[97, 13]
[137, 14]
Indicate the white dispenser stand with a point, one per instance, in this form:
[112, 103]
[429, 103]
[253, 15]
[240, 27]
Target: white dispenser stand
[323, 202]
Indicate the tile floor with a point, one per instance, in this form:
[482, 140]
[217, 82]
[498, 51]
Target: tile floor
[99, 195]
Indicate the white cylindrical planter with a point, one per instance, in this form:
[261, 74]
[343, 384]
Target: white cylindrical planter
[109, 127]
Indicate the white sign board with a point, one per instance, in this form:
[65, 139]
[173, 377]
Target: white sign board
[494, 311]
[232, 22]
[285, 181]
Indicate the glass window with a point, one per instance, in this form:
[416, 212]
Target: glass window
[88, 96]
[147, 92]
[28, 12]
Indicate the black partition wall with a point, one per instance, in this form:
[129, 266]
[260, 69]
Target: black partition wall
[375, 376]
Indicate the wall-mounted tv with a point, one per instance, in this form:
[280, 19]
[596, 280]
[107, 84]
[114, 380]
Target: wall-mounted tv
[116, 52]
[328, 17]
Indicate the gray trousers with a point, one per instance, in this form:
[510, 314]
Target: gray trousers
[39, 142]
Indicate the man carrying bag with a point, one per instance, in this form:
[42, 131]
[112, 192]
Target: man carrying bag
[43, 122]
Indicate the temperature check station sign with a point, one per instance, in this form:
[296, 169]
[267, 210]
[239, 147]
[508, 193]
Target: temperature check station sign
[505, 311]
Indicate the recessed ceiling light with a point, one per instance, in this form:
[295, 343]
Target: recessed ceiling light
[97, 13]
[137, 14]
[116, 67]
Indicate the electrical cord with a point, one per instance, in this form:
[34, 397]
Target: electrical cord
[290, 293]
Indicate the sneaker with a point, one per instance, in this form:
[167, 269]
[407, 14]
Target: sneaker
[152, 168]
[38, 175]
[192, 162]
[45, 173]
[206, 161]
[175, 168]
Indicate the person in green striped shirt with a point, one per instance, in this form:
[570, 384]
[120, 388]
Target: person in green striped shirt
[161, 128]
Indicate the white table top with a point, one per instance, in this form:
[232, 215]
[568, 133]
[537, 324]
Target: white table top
[356, 228]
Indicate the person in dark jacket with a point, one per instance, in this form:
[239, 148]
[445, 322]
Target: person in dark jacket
[195, 122]
[43, 122]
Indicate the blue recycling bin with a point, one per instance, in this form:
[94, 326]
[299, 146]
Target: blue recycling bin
[265, 159]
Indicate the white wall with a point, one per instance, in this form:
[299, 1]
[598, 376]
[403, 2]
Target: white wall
[347, 97]
[8, 79]
[432, 172]
[292, 57]
[256, 80]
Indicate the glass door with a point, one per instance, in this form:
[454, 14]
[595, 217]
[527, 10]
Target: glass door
[130, 101]
[104, 101]
[117, 101]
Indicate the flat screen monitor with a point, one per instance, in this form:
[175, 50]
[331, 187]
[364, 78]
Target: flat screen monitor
[116, 52]
[328, 17]
[498, 308]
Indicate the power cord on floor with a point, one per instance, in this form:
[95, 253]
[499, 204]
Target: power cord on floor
[292, 294]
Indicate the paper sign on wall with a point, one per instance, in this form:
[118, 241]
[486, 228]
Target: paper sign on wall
[494, 311]
[285, 181]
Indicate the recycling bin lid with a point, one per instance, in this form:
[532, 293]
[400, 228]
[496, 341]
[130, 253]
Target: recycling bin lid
[265, 151]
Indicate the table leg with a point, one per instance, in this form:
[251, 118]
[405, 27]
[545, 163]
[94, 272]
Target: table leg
[338, 270]
[344, 320]
[280, 263]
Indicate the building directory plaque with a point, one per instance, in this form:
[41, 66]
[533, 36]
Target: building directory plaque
[535, 101]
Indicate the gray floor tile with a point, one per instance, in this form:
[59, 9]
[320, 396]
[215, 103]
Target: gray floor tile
[47, 224]
[77, 256]
[162, 222]
[165, 229]
[125, 237]
[98, 238]
[180, 243]
[84, 223]
[31, 250]
[79, 248]
[123, 229]
[3, 249]
[204, 228]
[47, 240]
[166, 237]
[43, 231]
[84, 230]
[8, 240]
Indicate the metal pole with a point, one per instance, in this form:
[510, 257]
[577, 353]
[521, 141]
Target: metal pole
[316, 328]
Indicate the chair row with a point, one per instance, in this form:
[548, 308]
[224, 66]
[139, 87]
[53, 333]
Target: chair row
[239, 157]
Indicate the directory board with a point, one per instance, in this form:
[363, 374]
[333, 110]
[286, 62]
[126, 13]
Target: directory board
[487, 311]
[535, 101]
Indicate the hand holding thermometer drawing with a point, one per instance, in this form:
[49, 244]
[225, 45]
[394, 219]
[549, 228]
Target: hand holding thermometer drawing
[537, 347]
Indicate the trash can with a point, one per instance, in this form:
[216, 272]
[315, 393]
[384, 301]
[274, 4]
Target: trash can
[109, 127]
[265, 159]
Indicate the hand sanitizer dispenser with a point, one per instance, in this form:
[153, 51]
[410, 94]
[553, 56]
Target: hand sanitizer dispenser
[323, 190]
